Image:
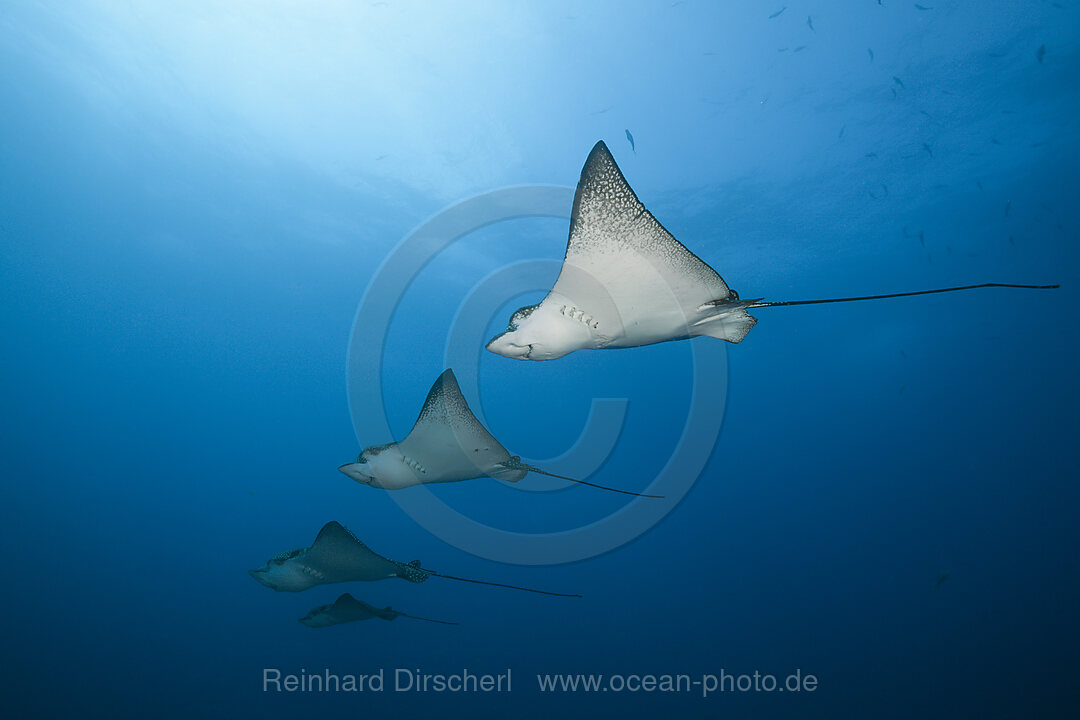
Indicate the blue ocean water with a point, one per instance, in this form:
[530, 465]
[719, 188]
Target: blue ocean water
[196, 198]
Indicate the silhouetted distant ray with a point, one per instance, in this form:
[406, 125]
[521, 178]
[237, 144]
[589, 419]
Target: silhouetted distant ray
[348, 609]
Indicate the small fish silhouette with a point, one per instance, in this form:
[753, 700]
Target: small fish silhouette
[871, 52]
[810, 23]
[1008, 206]
[1040, 53]
[631, 139]
[922, 7]
[898, 81]
[778, 13]
[921, 235]
[928, 150]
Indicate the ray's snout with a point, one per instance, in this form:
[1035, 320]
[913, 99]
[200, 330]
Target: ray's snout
[356, 471]
[261, 576]
[501, 346]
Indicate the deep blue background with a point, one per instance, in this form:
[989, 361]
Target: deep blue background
[193, 198]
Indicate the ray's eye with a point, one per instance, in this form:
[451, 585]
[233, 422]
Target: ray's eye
[734, 296]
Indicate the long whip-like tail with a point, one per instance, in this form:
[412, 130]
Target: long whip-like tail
[417, 617]
[502, 585]
[516, 464]
[896, 295]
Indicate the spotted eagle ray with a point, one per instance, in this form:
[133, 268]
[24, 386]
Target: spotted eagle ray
[338, 556]
[626, 281]
[347, 609]
[447, 444]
